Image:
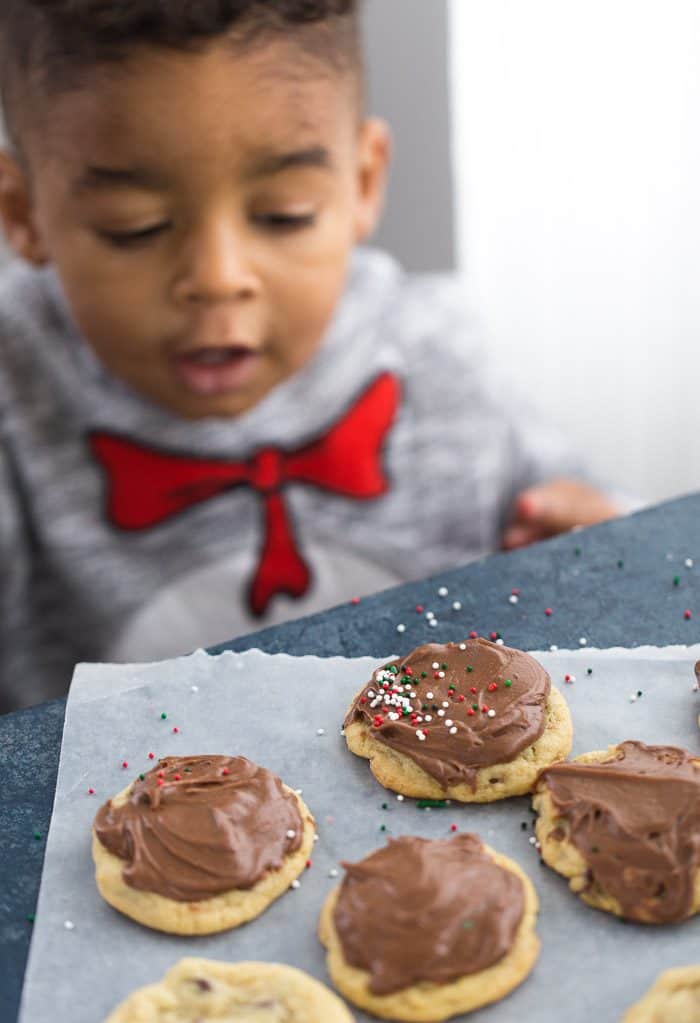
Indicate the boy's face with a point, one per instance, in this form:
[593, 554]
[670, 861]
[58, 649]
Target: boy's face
[200, 210]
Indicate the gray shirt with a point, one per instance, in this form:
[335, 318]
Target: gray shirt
[74, 586]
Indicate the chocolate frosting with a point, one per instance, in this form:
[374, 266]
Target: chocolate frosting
[427, 910]
[194, 827]
[636, 821]
[408, 698]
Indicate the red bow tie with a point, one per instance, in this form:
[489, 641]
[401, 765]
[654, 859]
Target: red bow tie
[146, 487]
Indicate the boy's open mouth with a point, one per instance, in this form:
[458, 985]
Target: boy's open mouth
[211, 370]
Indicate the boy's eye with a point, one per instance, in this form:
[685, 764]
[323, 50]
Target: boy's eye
[131, 239]
[285, 221]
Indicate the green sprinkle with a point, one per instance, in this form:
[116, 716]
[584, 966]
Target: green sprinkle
[475, 706]
[385, 806]
[443, 666]
[676, 580]
[424, 674]
[508, 683]
[424, 706]
[163, 716]
[589, 671]
[382, 827]
[37, 835]
[31, 917]
[469, 668]
[577, 552]
[467, 924]
[423, 804]
[142, 776]
[405, 712]
[620, 564]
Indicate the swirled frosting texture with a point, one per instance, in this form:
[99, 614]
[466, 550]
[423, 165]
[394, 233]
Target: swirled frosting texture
[450, 706]
[194, 827]
[635, 819]
[426, 910]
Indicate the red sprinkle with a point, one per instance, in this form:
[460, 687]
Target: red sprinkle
[177, 777]
[492, 687]
[687, 614]
[567, 678]
[473, 635]
[151, 756]
[419, 609]
[484, 709]
[460, 698]
[472, 689]
[161, 774]
[493, 635]
[225, 771]
[91, 791]
[160, 782]
[408, 671]
[176, 729]
[548, 612]
[308, 864]
[453, 827]
[471, 712]
[125, 763]
[355, 600]
[363, 699]
[515, 593]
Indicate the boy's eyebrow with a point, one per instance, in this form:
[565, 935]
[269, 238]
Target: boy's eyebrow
[95, 178]
[274, 163]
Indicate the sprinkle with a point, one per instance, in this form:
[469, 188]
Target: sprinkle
[69, 925]
[462, 646]
[620, 564]
[225, 771]
[151, 756]
[429, 615]
[453, 827]
[508, 683]
[513, 599]
[125, 763]
[491, 713]
[448, 722]
[37, 835]
[443, 591]
[435, 665]
[553, 647]
[456, 605]
[569, 678]
[469, 669]
[163, 716]
[493, 635]
[295, 884]
[419, 609]
[688, 562]
[470, 712]
[500, 642]
[333, 872]
[428, 696]
[582, 641]
[291, 833]
[532, 839]
[492, 687]
[401, 627]
[426, 804]
[687, 614]
[400, 798]
[453, 730]
[320, 731]
[577, 552]
[175, 730]
[473, 634]
[676, 580]
[355, 600]
[142, 777]
[91, 791]
[633, 697]
[467, 924]
[433, 622]
[31, 917]
[548, 612]
[194, 689]
[639, 693]
[308, 864]
[523, 825]
[420, 735]
[589, 671]
[382, 827]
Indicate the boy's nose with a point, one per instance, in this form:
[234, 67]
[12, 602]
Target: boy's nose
[216, 269]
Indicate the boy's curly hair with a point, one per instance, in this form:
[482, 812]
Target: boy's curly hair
[51, 43]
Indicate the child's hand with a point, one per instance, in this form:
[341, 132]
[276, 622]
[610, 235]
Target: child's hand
[555, 507]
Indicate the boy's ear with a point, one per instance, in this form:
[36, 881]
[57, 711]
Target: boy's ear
[16, 212]
[372, 170]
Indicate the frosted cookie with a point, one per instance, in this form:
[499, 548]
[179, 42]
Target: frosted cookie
[624, 826]
[674, 998]
[425, 930]
[201, 989]
[200, 844]
[471, 721]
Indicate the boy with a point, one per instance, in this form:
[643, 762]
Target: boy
[214, 412]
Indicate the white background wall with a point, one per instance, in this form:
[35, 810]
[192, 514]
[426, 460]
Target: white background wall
[577, 167]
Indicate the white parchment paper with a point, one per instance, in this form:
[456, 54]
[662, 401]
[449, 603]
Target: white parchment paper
[85, 957]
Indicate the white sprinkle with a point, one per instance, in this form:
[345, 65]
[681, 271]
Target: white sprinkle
[393, 716]
[333, 872]
[421, 735]
[342, 732]
[298, 791]
[316, 837]
[453, 730]
[370, 693]
[400, 798]
[688, 562]
[320, 731]
[441, 713]
[435, 665]
[401, 628]
[500, 642]
[441, 674]
[69, 925]
[491, 714]
[291, 833]
[532, 840]
[428, 696]
[295, 884]
[429, 615]
[456, 605]
[633, 697]
[553, 647]
[448, 802]
[194, 689]
[433, 622]
[513, 599]
[462, 646]
[448, 722]
[443, 591]
[445, 703]
[428, 717]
